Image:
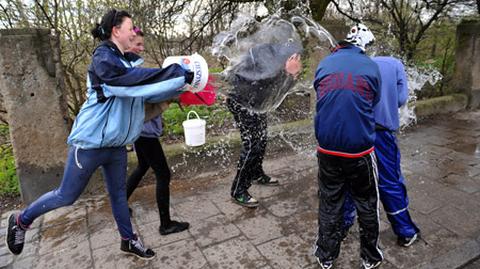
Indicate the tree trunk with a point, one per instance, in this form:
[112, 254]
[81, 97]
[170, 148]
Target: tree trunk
[318, 8]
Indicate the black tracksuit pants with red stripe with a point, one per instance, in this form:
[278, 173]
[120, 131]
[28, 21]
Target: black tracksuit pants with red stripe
[336, 175]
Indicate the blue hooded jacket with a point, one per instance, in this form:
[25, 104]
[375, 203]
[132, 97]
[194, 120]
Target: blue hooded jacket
[347, 83]
[394, 92]
[118, 121]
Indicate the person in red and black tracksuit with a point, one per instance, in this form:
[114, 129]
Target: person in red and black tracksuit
[347, 85]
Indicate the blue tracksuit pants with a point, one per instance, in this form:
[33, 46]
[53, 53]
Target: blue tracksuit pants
[393, 192]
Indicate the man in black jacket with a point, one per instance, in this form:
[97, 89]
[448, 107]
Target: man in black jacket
[261, 80]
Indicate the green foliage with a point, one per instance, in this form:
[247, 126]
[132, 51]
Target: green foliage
[215, 115]
[437, 50]
[215, 69]
[8, 173]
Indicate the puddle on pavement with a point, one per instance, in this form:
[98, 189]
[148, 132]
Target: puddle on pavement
[470, 149]
[59, 233]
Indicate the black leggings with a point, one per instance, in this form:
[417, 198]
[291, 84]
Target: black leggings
[150, 154]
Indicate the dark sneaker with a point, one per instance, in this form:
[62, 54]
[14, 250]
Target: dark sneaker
[407, 241]
[325, 264]
[371, 265]
[135, 247]
[174, 227]
[245, 199]
[15, 238]
[266, 180]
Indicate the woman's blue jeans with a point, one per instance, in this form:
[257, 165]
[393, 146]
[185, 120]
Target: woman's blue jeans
[79, 168]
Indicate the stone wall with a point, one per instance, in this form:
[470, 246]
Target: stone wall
[31, 83]
[467, 60]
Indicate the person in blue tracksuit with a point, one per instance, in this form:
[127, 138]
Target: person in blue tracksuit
[393, 192]
[149, 153]
[111, 117]
[347, 84]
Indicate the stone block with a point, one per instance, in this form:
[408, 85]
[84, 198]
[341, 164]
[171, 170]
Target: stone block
[196, 209]
[63, 236]
[235, 253]
[182, 254]
[75, 255]
[31, 81]
[104, 237]
[260, 228]
[26, 263]
[457, 221]
[288, 252]
[6, 260]
[213, 230]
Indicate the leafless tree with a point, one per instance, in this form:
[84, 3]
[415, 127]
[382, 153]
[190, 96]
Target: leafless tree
[408, 20]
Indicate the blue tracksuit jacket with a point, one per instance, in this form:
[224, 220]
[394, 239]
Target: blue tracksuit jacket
[394, 92]
[347, 83]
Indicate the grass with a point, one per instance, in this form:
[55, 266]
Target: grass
[8, 173]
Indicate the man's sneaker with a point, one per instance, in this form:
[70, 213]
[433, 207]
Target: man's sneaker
[407, 241]
[371, 265]
[173, 227]
[135, 247]
[266, 180]
[245, 199]
[15, 238]
[325, 264]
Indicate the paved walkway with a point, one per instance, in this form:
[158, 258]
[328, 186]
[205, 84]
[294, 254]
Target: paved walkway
[441, 160]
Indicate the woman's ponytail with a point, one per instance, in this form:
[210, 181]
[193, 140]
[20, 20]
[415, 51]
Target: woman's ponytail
[112, 18]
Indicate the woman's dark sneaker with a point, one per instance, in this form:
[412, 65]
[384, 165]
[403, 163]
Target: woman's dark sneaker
[135, 247]
[245, 199]
[266, 180]
[407, 241]
[173, 227]
[15, 238]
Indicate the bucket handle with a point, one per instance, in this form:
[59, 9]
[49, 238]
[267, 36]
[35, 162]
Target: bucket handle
[188, 115]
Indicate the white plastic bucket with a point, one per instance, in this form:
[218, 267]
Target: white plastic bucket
[196, 64]
[194, 130]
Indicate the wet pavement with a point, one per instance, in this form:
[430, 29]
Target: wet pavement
[441, 162]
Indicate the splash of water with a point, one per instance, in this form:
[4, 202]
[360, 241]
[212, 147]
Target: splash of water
[257, 51]
[417, 78]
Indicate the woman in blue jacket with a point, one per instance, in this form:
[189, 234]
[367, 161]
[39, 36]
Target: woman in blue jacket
[111, 117]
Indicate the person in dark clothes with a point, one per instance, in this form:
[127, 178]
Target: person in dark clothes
[347, 83]
[150, 154]
[265, 73]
